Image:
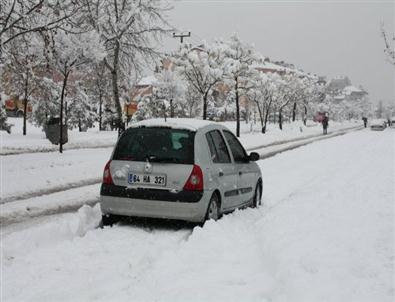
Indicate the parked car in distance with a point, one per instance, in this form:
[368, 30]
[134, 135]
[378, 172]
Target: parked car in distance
[15, 107]
[378, 125]
[182, 169]
[392, 122]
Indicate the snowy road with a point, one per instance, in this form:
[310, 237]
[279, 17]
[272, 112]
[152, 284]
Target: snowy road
[68, 190]
[30, 175]
[35, 174]
[325, 233]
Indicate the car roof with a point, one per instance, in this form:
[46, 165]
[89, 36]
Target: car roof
[175, 123]
[379, 120]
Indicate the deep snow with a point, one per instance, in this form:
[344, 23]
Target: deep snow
[325, 233]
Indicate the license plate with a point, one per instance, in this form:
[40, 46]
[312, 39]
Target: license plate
[147, 179]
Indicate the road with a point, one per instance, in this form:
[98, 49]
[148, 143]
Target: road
[325, 232]
[73, 180]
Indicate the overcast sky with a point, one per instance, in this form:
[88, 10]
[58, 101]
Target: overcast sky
[323, 37]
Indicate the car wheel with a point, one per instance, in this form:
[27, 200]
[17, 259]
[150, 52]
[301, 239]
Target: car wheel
[213, 208]
[256, 201]
[107, 220]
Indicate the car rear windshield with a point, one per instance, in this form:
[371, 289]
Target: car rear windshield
[157, 144]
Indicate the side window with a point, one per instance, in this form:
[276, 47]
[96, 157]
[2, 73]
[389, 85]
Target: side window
[218, 150]
[237, 149]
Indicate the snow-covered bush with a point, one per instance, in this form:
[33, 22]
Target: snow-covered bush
[3, 119]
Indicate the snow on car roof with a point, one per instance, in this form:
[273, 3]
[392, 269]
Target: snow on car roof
[377, 121]
[176, 123]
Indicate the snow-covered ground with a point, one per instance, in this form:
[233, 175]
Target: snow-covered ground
[38, 172]
[47, 194]
[324, 233]
[31, 174]
[35, 140]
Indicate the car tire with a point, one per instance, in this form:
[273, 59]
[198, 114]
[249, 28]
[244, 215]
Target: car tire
[107, 220]
[213, 208]
[257, 199]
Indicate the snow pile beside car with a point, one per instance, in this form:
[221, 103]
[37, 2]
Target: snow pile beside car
[65, 228]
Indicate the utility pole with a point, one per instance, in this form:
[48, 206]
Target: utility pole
[181, 36]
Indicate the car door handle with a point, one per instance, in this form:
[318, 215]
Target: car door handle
[220, 173]
[240, 172]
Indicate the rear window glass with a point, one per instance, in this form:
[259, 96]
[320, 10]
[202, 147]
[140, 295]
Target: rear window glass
[158, 144]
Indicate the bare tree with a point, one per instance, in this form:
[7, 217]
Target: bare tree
[69, 52]
[390, 52]
[21, 75]
[127, 29]
[202, 68]
[240, 59]
[264, 96]
[20, 17]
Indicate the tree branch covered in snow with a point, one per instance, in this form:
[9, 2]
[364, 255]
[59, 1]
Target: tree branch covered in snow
[389, 51]
[20, 17]
[127, 30]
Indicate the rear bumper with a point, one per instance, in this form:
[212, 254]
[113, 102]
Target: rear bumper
[142, 204]
[150, 194]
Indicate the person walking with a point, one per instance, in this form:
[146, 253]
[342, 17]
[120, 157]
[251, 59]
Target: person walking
[365, 121]
[325, 122]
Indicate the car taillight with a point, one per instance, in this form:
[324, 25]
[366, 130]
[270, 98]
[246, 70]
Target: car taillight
[195, 180]
[107, 179]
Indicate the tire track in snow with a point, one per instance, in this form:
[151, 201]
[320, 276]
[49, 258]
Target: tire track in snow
[54, 189]
[264, 153]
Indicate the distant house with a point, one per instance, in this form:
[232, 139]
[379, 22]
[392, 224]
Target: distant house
[354, 93]
[342, 92]
[143, 88]
[338, 83]
[282, 68]
[268, 67]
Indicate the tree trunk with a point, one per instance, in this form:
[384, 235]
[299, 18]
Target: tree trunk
[205, 106]
[294, 112]
[61, 112]
[237, 108]
[24, 115]
[305, 115]
[171, 108]
[25, 103]
[266, 118]
[115, 90]
[100, 110]
[280, 119]
[190, 111]
[260, 116]
[66, 115]
[247, 113]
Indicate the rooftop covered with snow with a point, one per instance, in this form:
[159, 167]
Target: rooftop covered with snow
[147, 81]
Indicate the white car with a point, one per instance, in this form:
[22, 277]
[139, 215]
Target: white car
[378, 125]
[180, 169]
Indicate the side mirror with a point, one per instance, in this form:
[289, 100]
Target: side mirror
[253, 156]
